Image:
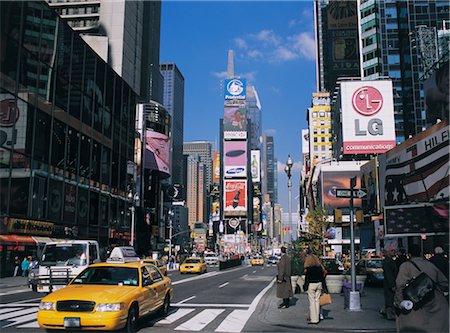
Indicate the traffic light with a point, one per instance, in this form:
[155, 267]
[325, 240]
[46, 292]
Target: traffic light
[338, 215]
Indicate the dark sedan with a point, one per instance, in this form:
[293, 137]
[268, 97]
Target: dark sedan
[272, 260]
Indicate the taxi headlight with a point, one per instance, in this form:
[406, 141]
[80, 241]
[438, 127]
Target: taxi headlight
[110, 307]
[46, 306]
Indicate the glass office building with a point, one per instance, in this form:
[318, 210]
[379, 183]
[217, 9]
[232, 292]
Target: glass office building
[66, 132]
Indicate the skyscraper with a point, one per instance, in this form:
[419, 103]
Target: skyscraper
[269, 168]
[195, 190]
[174, 103]
[204, 150]
[391, 36]
[254, 114]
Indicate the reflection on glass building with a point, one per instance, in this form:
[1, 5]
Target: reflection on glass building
[66, 132]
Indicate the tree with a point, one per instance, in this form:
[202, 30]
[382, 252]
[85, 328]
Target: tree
[318, 223]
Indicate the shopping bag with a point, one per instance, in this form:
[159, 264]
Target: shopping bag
[325, 299]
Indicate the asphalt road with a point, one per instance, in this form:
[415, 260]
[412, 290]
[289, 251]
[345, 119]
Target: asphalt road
[217, 301]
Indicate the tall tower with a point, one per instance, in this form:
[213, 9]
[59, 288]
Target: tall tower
[230, 67]
[174, 103]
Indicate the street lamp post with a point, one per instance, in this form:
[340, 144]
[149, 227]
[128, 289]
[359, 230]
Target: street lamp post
[134, 198]
[170, 232]
[288, 169]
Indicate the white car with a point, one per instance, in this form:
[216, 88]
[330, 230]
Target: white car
[211, 259]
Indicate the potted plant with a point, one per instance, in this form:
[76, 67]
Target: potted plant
[335, 275]
[297, 260]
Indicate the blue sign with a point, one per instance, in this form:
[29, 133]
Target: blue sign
[235, 89]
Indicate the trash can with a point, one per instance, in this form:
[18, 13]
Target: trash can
[346, 289]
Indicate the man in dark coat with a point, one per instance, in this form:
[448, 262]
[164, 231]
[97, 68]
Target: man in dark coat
[284, 285]
[390, 273]
[440, 261]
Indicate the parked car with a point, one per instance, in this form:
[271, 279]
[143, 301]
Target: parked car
[211, 259]
[107, 296]
[32, 277]
[157, 263]
[373, 268]
[273, 260]
[193, 265]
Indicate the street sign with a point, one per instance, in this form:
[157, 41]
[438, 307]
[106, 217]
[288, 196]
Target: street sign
[346, 193]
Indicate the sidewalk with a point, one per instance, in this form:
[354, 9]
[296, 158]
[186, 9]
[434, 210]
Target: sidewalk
[337, 319]
[13, 281]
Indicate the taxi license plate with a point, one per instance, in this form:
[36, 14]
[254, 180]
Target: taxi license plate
[71, 322]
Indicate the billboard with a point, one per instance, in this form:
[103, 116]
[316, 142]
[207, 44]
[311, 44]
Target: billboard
[417, 169]
[305, 141]
[235, 159]
[255, 162]
[437, 95]
[369, 181]
[332, 180]
[216, 167]
[235, 119]
[235, 197]
[235, 89]
[157, 151]
[367, 117]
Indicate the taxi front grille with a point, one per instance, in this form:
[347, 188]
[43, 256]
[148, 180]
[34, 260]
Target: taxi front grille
[75, 306]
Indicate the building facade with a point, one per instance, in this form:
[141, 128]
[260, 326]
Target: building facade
[205, 152]
[320, 137]
[195, 190]
[64, 161]
[269, 168]
[254, 114]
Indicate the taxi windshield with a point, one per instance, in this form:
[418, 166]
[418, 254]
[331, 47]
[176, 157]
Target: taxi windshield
[121, 276]
[374, 263]
[192, 261]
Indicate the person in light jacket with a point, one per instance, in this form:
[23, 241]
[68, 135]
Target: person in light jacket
[284, 285]
[314, 279]
[432, 316]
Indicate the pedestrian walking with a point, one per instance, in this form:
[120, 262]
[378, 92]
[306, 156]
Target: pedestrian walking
[314, 280]
[16, 265]
[431, 316]
[440, 260]
[25, 266]
[284, 285]
[390, 271]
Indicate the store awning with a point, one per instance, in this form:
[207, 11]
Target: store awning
[42, 240]
[16, 240]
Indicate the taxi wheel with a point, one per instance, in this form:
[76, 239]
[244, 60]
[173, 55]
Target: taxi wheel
[132, 319]
[166, 306]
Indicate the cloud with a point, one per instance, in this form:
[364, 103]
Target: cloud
[249, 76]
[240, 43]
[276, 90]
[296, 167]
[269, 47]
[220, 75]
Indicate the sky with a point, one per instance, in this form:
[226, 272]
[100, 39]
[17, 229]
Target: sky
[274, 49]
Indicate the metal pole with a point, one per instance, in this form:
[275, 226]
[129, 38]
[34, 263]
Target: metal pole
[355, 301]
[132, 226]
[291, 232]
[170, 236]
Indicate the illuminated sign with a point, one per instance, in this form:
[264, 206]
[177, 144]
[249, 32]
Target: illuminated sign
[235, 89]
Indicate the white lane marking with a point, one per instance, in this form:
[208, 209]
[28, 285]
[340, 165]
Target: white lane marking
[22, 319]
[207, 275]
[6, 310]
[224, 284]
[33, 324]
[18, 304]
[199, 305]
[198, 322]
[17, 313]
[187, 299]
[12, 292]
[254, 272]
[175, 316]
[244, 276]
[236, 320]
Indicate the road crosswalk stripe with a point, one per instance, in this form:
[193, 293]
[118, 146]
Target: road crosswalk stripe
[180, 313]
[22, 319]
[198, 322]
[6, 310]
[12, 292]
[234, 322]
[17, 313]
[33, 324]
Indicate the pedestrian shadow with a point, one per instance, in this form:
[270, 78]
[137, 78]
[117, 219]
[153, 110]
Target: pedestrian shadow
[293, 301]
[326, 314]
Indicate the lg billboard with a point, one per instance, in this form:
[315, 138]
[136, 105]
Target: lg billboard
[367, 117]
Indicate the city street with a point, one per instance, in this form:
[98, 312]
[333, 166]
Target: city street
[220, 301]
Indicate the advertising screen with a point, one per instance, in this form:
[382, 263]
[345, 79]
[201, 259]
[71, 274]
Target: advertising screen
[235, 158]
[367, 117]
[255, 161]
[235, 89]
[216, 167]
[369, 181]
[235, 197]
[157, 151]
[235, 119]
[338, 180]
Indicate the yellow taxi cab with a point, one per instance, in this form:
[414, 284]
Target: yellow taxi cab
[193, 265]
[157, 263]
[257, 260]
[112, 295]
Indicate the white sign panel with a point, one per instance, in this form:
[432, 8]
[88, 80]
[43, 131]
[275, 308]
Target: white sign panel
[255, 163]
[305, 141]
[368, 125]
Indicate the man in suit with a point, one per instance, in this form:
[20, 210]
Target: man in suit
[284, 285]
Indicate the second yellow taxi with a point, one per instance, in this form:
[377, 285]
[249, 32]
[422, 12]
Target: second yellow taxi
[107, 296]
[157, 263]
[257, 260]
[193, 265]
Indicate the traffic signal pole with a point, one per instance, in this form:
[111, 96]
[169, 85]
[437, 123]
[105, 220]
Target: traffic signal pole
[355, 300]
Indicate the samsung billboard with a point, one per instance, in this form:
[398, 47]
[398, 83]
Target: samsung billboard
[367, 117]
[235, 89]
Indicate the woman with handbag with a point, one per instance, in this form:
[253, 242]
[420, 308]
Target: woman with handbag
[313, 285]
[429, 315]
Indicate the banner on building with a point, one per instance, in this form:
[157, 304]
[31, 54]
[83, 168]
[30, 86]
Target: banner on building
[369, 181]
[216, 167]
[235, 197]
[157, 151]
[234, 119]
[332, 180]
[255, 164]
[235, 89]
[368, 125]
[235, 158]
